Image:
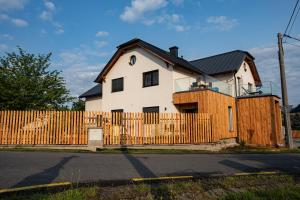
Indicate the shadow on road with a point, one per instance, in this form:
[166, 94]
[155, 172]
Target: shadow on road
[145, 172]
[46, 176]
[277, 162]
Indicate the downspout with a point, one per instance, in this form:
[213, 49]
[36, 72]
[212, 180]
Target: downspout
[236, 110]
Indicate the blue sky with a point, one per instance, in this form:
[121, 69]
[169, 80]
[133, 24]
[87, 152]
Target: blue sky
[82, 35]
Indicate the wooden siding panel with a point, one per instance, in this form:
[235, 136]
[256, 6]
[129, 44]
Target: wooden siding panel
[260, 120]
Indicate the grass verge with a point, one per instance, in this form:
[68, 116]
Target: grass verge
[236, 187]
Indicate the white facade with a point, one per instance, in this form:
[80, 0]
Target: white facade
[93, 104]
[244, 78]
[134, 96]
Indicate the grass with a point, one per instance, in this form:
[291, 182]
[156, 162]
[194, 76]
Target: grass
[237, 187]
[287, 193]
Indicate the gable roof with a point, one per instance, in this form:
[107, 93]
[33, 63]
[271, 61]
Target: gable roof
[228, 62]
[164, 55]
[95, 91]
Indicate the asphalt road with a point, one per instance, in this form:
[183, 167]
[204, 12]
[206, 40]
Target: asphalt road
[30, 168]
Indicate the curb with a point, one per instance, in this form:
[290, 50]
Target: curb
[35, 187]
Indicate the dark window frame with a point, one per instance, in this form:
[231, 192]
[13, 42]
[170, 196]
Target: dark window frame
[154, 120]
[152, 79]
[114, 120]
[116, 88]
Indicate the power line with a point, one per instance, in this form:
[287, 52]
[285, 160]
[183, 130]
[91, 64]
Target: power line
[292, 44]
[294, 20]
[291, 17]
[288, 36]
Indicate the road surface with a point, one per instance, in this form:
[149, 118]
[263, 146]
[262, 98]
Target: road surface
[30, 168]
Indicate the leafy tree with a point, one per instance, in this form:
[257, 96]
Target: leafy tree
[296, 109]
[26, 83]
[78, 105]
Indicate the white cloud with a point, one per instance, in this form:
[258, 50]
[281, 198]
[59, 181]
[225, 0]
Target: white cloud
[14, 21]
[8, 5]
[180, 28]
[80, 77]
[47, 15]
[177, 2]
[50, 6]
[150, 12]
[6, 36]
[102, 33]
[59, 31]
[19, 22]
[3, 47]
[80, 68]
[221, 23]
[100, 44]
[139, 7]
[4, 17]
[266, 59]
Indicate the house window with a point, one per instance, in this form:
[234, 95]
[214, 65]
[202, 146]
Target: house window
[117, 84]
[151, 115]
[150, 78]
[230, 124]
[116, 117]
[249, 87]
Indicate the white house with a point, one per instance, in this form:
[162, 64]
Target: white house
[141, 77]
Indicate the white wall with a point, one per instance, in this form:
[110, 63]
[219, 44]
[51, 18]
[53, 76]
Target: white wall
[134, 97]
[246, 77]
[93, 104]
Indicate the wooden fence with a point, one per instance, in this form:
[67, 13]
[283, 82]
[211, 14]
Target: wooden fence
[71, 127]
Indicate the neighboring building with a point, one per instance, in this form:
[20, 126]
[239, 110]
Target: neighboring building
[93, 98]
[141, 77]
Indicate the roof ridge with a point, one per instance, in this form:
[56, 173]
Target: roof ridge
[237, 50]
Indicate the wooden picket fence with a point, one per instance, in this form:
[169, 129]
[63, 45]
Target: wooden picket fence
[71, 127]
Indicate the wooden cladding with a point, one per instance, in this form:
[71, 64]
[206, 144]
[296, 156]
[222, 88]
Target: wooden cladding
[215, 103]
[71, 127]
[43, 127]
[260, 121]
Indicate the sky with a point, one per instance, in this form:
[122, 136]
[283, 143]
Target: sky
[83, 35]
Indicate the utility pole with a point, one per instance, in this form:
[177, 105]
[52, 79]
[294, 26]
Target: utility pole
[285, 104]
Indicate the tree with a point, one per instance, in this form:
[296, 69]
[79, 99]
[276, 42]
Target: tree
[26, 83]
[78, 105]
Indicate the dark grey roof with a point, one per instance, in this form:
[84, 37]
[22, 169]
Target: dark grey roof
[93, 92]
[160, 52]
[221, 63]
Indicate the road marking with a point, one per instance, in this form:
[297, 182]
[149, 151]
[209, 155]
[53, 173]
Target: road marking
[35, 187]
[161, 178]
[255, 173]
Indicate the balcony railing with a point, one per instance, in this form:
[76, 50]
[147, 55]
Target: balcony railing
[208, 82]
[266, 88]
[202, 82]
